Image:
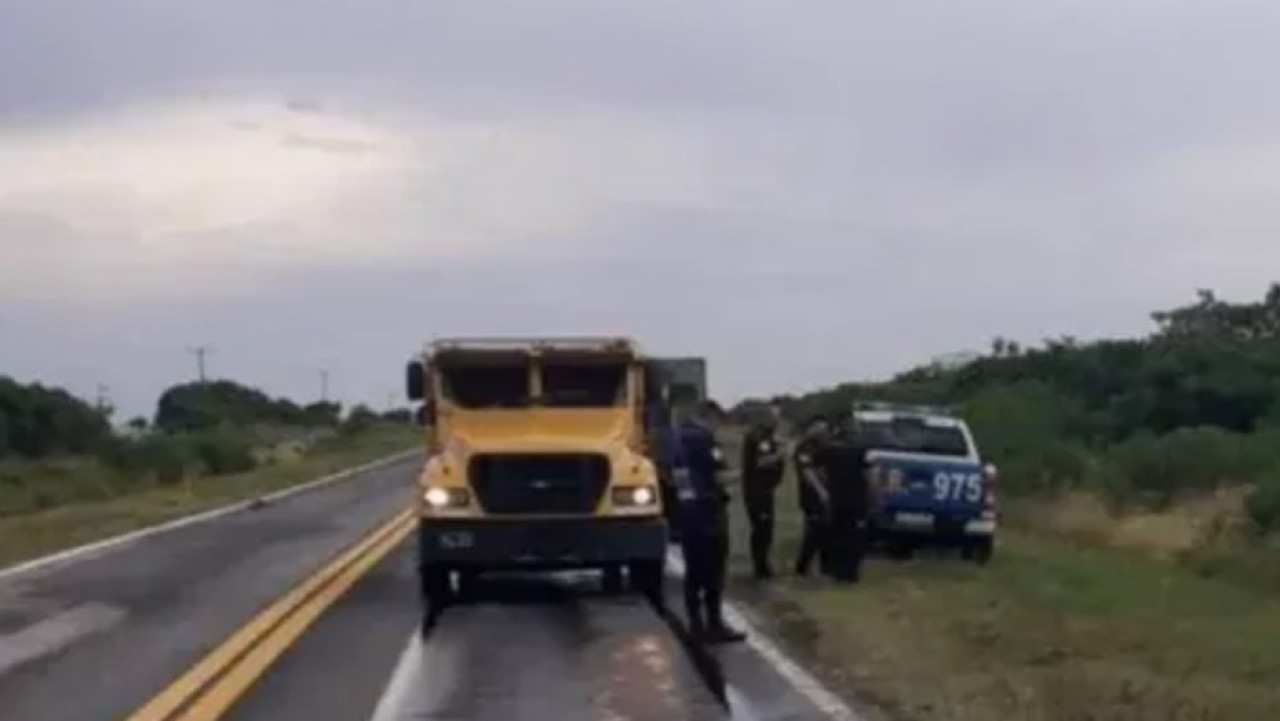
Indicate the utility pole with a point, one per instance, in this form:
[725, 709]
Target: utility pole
[324, 386]
[101, 402]
[200, 352]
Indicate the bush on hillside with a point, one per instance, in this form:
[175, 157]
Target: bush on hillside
[1194, 405]
[37, 421]
[398, 415]
[1161, 468]
[161, 458]
[360, 419]
[203, 406]
[223, 452]
[1262, 505]
[168, 458]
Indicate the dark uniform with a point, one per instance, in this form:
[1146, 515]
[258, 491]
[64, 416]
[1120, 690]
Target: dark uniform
[814, 502]
[704, 530]
[762, 466]
[844, 462]
[663, 459]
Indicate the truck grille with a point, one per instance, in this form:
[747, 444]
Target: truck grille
[535, 483]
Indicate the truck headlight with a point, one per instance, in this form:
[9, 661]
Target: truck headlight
[635, 496]
[437, 497]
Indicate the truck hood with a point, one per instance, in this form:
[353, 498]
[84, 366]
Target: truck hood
[541, 429]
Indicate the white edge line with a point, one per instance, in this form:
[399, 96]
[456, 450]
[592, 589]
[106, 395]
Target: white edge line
[737, 703]
[72, 554]
[392, 701]
[801, 680]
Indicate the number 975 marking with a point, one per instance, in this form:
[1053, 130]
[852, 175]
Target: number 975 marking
[953, 486]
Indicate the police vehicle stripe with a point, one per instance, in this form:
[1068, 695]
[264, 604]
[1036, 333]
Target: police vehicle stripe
[921, 457]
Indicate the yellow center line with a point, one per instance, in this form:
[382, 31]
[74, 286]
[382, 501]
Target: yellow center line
[232, 685]
[184, 688]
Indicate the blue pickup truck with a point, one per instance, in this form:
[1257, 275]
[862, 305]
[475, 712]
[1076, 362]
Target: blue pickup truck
[931, 485]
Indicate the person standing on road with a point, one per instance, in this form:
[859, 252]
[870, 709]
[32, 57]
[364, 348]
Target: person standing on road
[815, 499]
[704, 525]
[762, 466]
[663, 454]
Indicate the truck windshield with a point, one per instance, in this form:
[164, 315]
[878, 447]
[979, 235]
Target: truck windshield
[583, 385]
[913, 436]
[496, 386]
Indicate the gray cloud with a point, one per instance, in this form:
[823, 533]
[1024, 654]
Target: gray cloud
[804, 192]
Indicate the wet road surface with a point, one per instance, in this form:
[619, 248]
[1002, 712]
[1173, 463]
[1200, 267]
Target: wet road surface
[526, 648]
[98, 637]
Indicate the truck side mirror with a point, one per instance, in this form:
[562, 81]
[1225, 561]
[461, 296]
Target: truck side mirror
[415, 380]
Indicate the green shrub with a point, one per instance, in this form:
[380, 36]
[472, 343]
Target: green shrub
[168, 459]
[1259, 452]
[1113, 485]
[223, 452]
[164, 458]
[1262, 505]
[1159, 469]
[361, 419]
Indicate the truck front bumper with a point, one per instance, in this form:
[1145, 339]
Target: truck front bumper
[541, 543]
[942, 527]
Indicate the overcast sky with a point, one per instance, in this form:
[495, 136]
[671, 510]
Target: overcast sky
[803, 192]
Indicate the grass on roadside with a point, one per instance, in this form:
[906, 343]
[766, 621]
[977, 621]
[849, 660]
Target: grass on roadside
[31, 535]
[1052, 630]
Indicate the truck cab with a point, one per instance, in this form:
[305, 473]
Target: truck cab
[536, 460]
[933, 487]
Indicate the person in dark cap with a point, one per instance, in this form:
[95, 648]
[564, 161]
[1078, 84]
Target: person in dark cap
[703, 519]
[844, 463]
[762, 466]
[663, 454]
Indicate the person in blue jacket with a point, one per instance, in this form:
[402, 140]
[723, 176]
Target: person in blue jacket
[702, 517]
[663, 434]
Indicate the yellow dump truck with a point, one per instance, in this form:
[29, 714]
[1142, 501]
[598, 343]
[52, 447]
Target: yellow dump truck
[537, 458]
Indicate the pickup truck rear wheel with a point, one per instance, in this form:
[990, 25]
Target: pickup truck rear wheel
[981, 550]
[901, 548]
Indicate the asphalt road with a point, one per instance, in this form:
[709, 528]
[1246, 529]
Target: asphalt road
[107, 634]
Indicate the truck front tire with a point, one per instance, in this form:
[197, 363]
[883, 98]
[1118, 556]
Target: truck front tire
[435, 586]
[611, 579]
[647, 580]
[468, 585]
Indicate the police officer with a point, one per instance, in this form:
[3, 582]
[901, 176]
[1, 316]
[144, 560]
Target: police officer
[663, 455]
[844, 464]
[704, 527]
[815, 501]
[762, 466]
